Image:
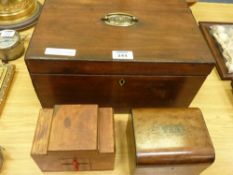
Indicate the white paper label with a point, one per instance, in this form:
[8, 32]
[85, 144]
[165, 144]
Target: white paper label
[7, 33]
[122, 55]
[60, 52]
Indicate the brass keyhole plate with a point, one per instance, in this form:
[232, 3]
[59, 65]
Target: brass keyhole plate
[121, 82]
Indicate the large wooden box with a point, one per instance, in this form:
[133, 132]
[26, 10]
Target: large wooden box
[171, 142]
[166, 62]
[74, 138]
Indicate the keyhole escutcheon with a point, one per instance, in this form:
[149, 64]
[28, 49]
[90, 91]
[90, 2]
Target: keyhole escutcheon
[121, 82]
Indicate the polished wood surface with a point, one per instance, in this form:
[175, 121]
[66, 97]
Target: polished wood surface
[74, 138]
[161, 42]
[115, 68]
[20, 114]
[135, 91]
[171, 141]
[171, 136]
[160, 35]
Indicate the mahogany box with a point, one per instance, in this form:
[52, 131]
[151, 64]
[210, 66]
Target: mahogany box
[117, 53]
[74, 138]
[170, 142]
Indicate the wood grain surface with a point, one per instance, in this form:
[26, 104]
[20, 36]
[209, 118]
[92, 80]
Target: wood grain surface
[137, 91]
[77, 123]
[171, 136]
[74, 138]
[162, 45]
[42, 132]
[161, 34]
[19, 117]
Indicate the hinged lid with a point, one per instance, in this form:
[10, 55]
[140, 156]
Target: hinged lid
[150, 37]
[171, 136]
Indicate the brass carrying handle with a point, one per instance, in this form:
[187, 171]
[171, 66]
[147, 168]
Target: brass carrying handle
[120, 19]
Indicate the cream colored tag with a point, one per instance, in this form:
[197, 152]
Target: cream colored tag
[122, 55]
[60, 52]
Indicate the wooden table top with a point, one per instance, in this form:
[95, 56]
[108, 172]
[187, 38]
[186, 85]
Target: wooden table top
[215, 99]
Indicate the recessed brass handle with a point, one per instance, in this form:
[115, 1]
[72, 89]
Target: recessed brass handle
[120, 19]
[121, 82]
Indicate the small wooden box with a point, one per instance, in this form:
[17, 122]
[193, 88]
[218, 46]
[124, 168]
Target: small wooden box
[74, 138]
[171, 142]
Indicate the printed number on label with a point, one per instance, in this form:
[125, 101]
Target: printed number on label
[124, 55]
[7, 33]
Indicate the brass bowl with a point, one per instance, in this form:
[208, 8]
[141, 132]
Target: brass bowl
[18, 14]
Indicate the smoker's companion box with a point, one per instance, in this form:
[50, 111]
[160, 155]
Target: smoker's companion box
[74, 138]
[117, 53]
[171, 141]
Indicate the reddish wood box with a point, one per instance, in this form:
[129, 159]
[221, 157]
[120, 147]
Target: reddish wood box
[171, 141]
[74, 138]
[166, 63]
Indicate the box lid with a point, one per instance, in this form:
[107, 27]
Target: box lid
[171, 136]
[164, 40]
[74, 128]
